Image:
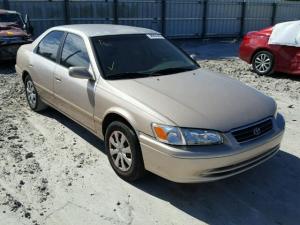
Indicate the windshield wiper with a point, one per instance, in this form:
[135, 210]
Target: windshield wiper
[171, 70]
[132, 75]
[128, 75]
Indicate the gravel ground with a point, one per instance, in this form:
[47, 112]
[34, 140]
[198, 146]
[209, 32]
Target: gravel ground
[281, 84]
[53, 171]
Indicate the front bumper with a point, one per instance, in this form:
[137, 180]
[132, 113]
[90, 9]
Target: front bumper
[8, 51]
[192, 164]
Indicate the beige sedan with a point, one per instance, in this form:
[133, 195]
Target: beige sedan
[156, 109]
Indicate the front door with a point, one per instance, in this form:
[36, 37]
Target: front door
[74, 96]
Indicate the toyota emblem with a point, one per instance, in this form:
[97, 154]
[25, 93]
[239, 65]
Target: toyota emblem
[257, 131]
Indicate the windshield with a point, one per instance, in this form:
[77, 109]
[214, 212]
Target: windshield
[139, 55]
[11, 18]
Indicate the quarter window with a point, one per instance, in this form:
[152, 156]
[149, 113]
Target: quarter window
[49, 46]
[74, 52]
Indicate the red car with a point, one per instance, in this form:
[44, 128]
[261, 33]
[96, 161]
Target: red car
[266, 58]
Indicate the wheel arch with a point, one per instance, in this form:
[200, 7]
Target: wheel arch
[260, 50]
[24, 75]
[115, 115]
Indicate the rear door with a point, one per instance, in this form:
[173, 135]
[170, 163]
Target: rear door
[74, 96]
[43, 63]
[288, 59]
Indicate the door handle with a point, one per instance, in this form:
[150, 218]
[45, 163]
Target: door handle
[58, 79]
[30, 65]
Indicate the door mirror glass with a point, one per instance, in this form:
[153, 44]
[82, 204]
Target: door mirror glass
[81, 73]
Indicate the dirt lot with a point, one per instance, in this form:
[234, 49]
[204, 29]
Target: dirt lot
[52, 171]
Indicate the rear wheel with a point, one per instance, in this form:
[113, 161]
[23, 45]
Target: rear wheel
[263, 63]
[124, 152]
[32, 96]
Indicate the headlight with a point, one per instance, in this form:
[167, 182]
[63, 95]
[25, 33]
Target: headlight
[201, 137]
[276, 113]
[276, 110]
[168, 134]
[182, 136]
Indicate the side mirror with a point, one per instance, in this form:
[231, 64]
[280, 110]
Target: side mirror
[81, 73]
[193, 56]
[28, 26]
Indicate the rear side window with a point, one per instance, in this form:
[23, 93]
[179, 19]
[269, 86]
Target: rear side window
[49, 46]
[74, 52]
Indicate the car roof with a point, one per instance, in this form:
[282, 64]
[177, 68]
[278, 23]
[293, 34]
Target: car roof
[93, 30]
[3, 11]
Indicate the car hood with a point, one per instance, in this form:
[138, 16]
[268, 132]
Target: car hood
[200, 99]
[8, 30]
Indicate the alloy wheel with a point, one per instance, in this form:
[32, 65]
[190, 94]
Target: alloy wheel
[263, 63]
[120, 151]
[31, 94]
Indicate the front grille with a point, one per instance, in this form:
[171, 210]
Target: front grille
[253, 132]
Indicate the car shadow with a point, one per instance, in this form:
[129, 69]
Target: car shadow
[280, 75]
[7, 67]
[267, 194]
[285, 76]
[75, 127]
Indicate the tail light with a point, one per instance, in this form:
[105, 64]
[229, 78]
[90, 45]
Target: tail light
[246, 37]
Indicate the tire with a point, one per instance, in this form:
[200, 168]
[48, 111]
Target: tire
[263, 63]
[33, 99]
[120, 155]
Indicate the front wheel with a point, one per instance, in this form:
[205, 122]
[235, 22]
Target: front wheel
[33, 99]
[124, 152]
[263, 63]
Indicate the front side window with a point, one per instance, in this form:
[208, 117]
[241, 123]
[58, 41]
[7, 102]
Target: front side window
[140, 55]
[74, 52]
[49, 46]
